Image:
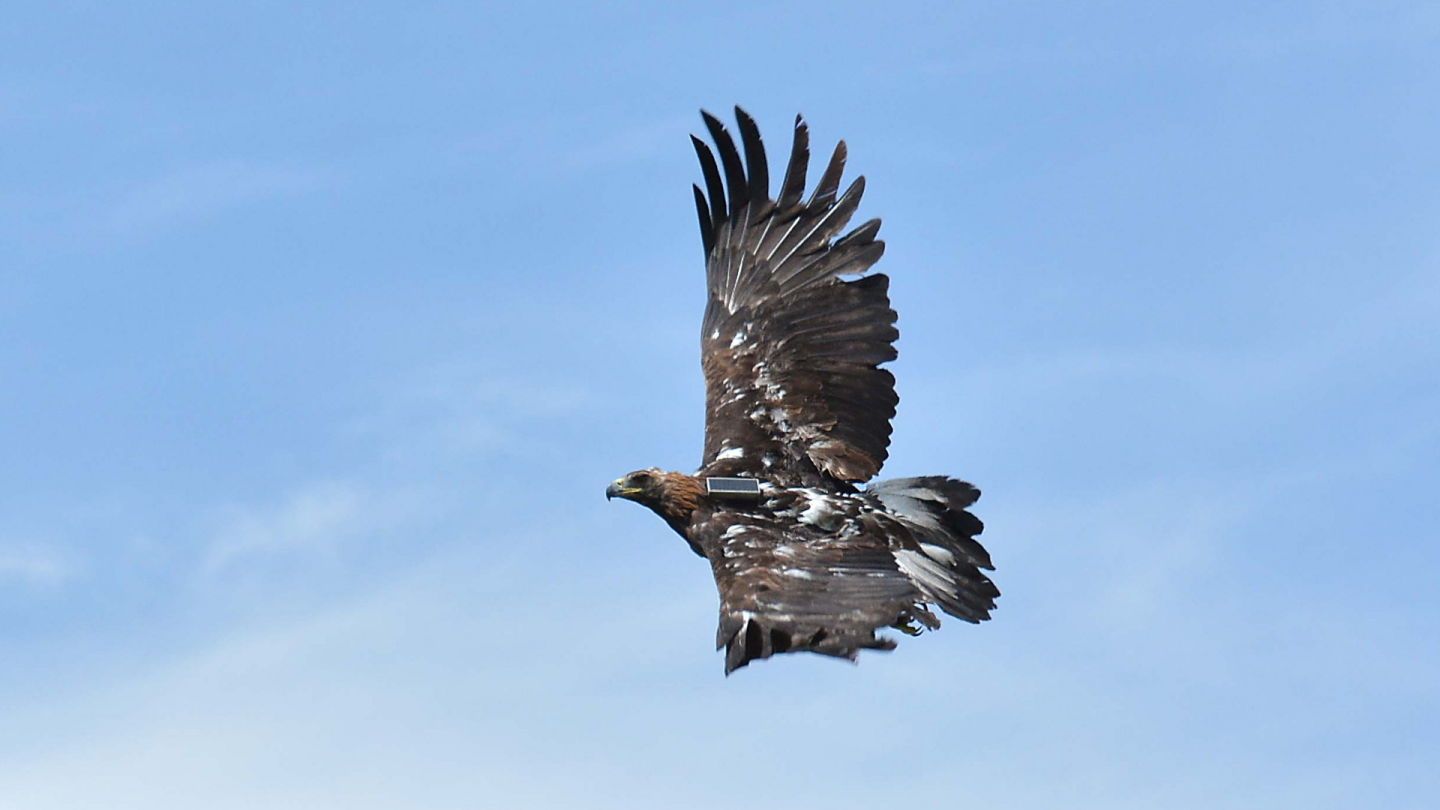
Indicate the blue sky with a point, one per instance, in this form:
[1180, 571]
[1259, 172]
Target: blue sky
[322, 331]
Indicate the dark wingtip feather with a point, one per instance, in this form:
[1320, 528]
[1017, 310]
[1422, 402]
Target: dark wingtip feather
[830, 180]
[850, 199]
[866, 232]
[755, 163]
[712, 179]
[793, 187]
[707, 230]
[729, 160]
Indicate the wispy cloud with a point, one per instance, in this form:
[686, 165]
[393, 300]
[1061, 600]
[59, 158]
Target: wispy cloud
[341, 690]
[195, 191]
[34, 564]
[465, 407]
[314, 519]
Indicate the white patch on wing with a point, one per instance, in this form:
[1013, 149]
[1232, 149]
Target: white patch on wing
[730, 452]
[815, 511]
[780, 417]
[745, 617]
[798, 573]
[774, 391]
[819, 510]
[927, 574]
[907, 505]
[735, 531]
[938, 553]
[738, 339]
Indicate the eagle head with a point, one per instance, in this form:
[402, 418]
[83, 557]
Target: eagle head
[671, 495]
[645, 487]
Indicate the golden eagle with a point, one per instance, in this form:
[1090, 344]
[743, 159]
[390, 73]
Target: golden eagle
[797, 413]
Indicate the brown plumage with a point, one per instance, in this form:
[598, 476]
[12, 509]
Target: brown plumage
[795, 398]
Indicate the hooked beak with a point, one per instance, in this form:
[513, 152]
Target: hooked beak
[614, 491]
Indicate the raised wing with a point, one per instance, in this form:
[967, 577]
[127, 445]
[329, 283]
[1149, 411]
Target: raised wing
[789, 350]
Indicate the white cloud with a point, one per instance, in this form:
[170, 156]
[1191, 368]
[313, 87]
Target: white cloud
[464, 407]
[195, 191]
[315, 518]
[34, 564]
[423, 693]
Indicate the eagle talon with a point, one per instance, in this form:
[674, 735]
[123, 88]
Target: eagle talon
[908, 627]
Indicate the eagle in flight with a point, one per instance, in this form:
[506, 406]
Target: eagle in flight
[797, 418]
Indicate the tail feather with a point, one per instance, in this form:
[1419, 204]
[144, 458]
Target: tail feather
[941, 554]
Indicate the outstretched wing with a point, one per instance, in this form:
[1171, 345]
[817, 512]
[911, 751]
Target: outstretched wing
[786, 588]
[789, 350]
[823, 571]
